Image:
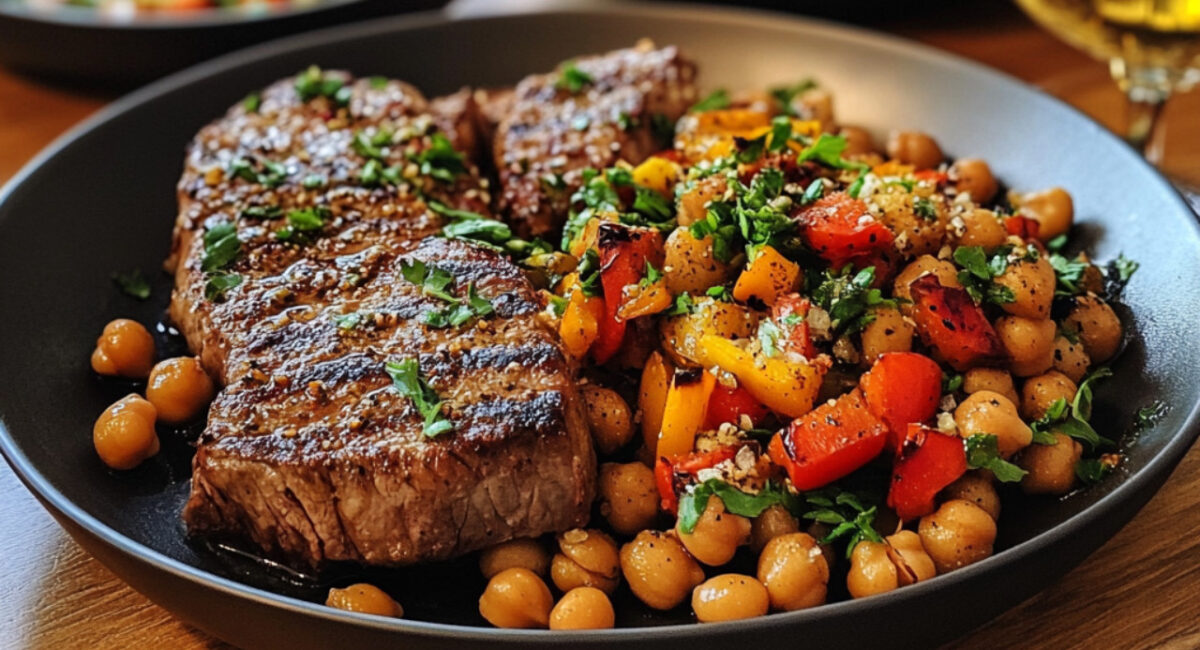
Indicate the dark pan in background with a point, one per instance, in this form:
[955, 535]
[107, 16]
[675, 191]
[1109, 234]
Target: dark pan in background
[102, 199]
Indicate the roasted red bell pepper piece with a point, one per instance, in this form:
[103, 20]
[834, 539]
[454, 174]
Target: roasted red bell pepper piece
[798, 339]
[624, 252]
[928, 461]
[1021, 226]
[829, 442]
[668, 470]
[841, 229]
[729, 404]
[902, 388]
[953, 326]
[932, 176]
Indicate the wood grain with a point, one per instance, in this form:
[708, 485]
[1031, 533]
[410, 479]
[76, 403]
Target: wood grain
[1138, 591]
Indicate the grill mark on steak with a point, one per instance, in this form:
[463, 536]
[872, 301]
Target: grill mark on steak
[549, 131]
[309, 451]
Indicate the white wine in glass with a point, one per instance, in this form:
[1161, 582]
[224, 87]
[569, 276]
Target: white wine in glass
[1152, 48]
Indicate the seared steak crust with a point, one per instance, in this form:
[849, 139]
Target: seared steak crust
[551, 133]
[309, 451]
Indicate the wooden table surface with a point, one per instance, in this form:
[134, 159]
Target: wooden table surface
[1138, 591]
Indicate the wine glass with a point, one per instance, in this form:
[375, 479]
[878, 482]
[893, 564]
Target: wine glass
[1152, 48]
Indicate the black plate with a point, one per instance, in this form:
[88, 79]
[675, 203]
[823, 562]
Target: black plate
[78, 45]
[102, 199]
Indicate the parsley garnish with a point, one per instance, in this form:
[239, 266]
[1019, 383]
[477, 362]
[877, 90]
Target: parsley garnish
[925, 209]
[378, 82]
[440, 160]
[133, 284]
[715, 101]
[951, 383]
[785, 94]
[846, 513]
[312, 83]
[978, 274]
[651, 276]
[313, 181]
[720, 293]
[272, 175]
[849, 299]
[261, 212]
[983, 453]
[302, 222]
[1069, 274]
[218, 283]
[348, 321]
[683, 305]
[827, 150]
[815, 190]
[746, 504]
[251, 103]
[221, 246]
[1149, 415]
[406, 379]
[589, 273]
[436, 282]
[572, 79]
[371, 146]
[1092, 470]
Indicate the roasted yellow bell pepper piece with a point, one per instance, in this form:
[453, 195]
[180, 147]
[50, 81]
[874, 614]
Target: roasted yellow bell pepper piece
[687, 404]
[652, 397]
[892, 168]
[785, 386]
[768, 277]
[580, 322]
[731, 121]
[637, 300]
[658, 174]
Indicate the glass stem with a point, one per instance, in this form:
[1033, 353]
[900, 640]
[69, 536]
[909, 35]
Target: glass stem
[1147, 89]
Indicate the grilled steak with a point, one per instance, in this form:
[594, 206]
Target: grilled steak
[589, 113]
[310, 451]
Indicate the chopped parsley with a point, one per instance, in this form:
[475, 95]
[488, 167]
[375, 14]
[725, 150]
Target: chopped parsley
[1149, 415]
[1069, 274]
[745, 504]
[720, 293]
[815, 190]
[785, 94]
[849, 298]
[683, 305]
[983, 452]
[302, 222]
[221, 246]
[440, 160]
[252, 102]
[589, 274]
[313, 181]
[261, 212]
[847, 514]
[1093, 470]
[348, 321]
[218, 283]
[651, 275]
[951, 383]
[978, 274]
[313, 83]
[827, 150]
[925, 209]
[1072, 419]
[406, 379]
[572, 79]
[436, 283]
[371, 146]
[133, 284]
[272, 174]
[715, 101]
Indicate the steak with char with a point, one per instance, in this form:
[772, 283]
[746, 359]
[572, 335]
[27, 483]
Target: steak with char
[309, 451]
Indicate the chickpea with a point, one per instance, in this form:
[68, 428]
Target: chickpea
[588, 559]
[1051, 467]
[982, 228]
[1098, 327]
[365, 599]
[608, 417]
[772, 523]
[1053, 209]
[913, 564]
[1039, 393]
[946, 273]
[658, 569]
[794, 571]
[521, 553]
[729, 597]
[516, 598]
[993, 413]
[1032, 285]
[858, 141]
[693, 205]
[973, 176]
[1070, 359]
[179, 389]
[583, 608]
[888, 332]
[689, 264]
[124, 433]
[628, 496]
[871, 570]
[914, 148]
[717, 534]
[957, 534]
[124, 349]
[993, 379]
[977, 488]
[815, 104]
[1029, 342]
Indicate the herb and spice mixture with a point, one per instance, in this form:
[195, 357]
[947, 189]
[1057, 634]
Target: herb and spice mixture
[810, 366]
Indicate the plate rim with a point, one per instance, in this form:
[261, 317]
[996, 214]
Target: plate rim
[85, 18]
[1158, 467]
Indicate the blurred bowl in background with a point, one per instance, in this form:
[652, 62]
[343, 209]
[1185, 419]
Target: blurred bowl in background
[117, 50]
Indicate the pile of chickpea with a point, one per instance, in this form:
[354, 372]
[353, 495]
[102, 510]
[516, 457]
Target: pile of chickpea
[177, 390]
